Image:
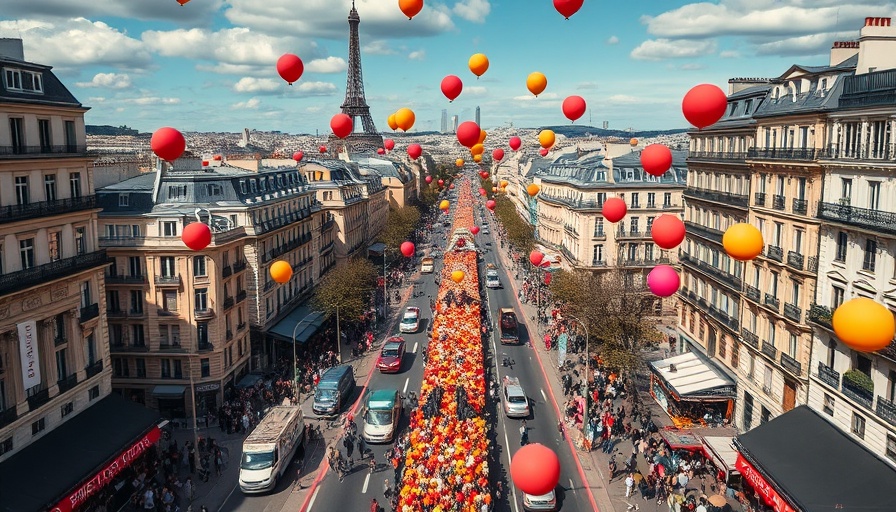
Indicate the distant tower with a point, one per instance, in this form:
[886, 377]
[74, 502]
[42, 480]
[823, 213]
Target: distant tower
[606, 125]
[455, 124]
[444, 120]
[355, 105]
[477, 116]
[244, 140]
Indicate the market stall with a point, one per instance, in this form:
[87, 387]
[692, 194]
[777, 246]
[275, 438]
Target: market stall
[720, 450]
[692, 391]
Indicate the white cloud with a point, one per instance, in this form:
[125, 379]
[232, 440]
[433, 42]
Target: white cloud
[249, 84]
[473, 10]
[587, 86]
[729, 54]
[377, 47]
[659, 49]
[624, 98]
[151, 100]
[316, 88]
[612, 40]
[417, 55]
[542, 96]
[250, 104]
[814, 44]
[691, 66]
[475, 90]
[108, 80]
[154, 10]
[327, 65]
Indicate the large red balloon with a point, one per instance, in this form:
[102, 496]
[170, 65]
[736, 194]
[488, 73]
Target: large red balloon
[452, 87]
[290, 67]
[474, 230]
[407, 248]
[414, 151]
[428, 179]
[168, 143]
[656, 159]
[574, 107]
[490, 204]
[536, 257]
[468, 134]
[342, 125]
[704, 104]
[535, 469]
[568, 7]
[196, 236]
[298, 155]
[667, 231]
[515, 143]
[389, 144]
[498, 155]
[614, 209]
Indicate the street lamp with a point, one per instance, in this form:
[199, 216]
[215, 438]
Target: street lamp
[295, 362]
[587, 368]
[196, 459]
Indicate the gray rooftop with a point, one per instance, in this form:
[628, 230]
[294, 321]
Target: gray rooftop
[54, 92]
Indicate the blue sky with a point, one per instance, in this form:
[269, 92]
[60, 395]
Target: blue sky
[210, 65]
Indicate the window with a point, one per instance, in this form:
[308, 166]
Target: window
[748, 107]
[22, 196]
[50, 187]
[90, 349]
[842, 239]
[767, 380]
[137, 335]
[795, 290]
[201, 299]
[141, 367]
[634, 200]
[55, 245]
[873, 195]
[21, 80]
[599, 227]
[68, 409]
[74, 181]
[61, 366]
[59, 330]
[178, 369]
[94, 392]
[748, 411]
[202, 335]
[598, 253]
[890, 448]
[26, 252]
[38, 426]
[651, 199]
[650, 223]
[120, 367]
[773, 284]
[845, 190]
[5, 446]
[870, 258]
[80, 241]
[858, 425]
[199, 266]
[169, 301]
[43, 132]
[135, 269]
[792, 345]
[828, 407]
[667, 200]
[123, 199]
[633, 224]
[167, 267]
[71, 141]
[166, 368]
[169, 228]
[17, 134]
[137, 301]
[205, 367]
[764, 415]
[891, 386]
[86, 298]
[735, 355]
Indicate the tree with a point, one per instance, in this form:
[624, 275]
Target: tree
[401, 225]
[617, 310]
[346, 291]
[519, 232]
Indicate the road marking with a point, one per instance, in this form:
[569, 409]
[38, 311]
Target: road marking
[366, 483]
[228, 496]
[313, 497]
[544, 395]
[415, 347]
[572, 486]
[405, 390]
[512, 488]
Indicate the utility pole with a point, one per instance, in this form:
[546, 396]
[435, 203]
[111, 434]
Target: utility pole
[196, 457]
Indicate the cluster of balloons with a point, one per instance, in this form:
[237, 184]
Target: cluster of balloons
[402, 119]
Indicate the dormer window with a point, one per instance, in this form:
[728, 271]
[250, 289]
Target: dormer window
[748, 107]
[23, 81]
[731, 109]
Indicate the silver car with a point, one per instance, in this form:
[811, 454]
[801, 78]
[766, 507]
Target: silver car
[516, 403]
[545, 502]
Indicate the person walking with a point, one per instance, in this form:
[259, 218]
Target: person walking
[629, 485]
[349, 447]
[524, 434]
[361, 448]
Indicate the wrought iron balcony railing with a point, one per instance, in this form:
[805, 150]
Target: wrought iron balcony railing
[828, 375]
[795, 260]
[17, 212]
[65, 150]
[726, 198]
[791, 365]
[875, 220]
[795, 154]
[43, 274]
[793, 312]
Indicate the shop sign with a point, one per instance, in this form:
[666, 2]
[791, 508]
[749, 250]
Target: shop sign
[202, 388]
[105, 477]
[763, 488]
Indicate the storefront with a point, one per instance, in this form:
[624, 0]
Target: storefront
[86, 457]
[692, 391]
[170, 401]
[207, 398]
[800, 462]
[721, 452]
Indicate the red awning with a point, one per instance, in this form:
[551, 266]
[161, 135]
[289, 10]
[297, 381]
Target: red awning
[768, 493]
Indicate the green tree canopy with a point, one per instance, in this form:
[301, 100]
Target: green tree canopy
[401, 224]
[347, 288]
[519, 232]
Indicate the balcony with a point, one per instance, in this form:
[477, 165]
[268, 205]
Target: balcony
[821, 315]
[795, 260]
[228, 302]
[17, 212]
[66, 150]
[116, 313]
[571, 230]
[874, 220]
[800, 206]
[576, 203]
[753, 293]
[94, 369]
[8, 416]
[725, 198]
[600, 235]
[45, 274]
[877, 88]
[205, 347]
[773, 252]
[241, 296]
[885, 409]
[717, 155]
[793, 312]
[768, 348]
[794, 154]
[860, 395]
[239, 266]
[791, 365]
[778, 202]
[240, 326]
[222, 237]
[759, 199]
[38, 399]
[326, 247]
[622, 234]
[204, 313]
[123, 279]
[598, 263]
[228, 335]
[570, 257]
[714, 235]
[828, 375]
[772, 302]
[67, 383]
[750, 338]
[227, 271]
[90, 312]
[723, 318]
[720, 275]
[168, 281]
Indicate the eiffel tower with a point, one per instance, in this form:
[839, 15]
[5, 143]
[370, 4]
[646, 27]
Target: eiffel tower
[355, 105]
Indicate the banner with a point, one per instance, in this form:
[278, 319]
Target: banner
[766, 491]
[28, 351]
[561, 347]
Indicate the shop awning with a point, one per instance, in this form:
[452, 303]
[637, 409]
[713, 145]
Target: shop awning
[815, 466]
[722, 452]
[689, 376]
[78, 458]
[303, 321]
[168, 391]
[681, 440]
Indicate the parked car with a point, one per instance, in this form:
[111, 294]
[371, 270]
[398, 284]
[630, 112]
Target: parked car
[544, 503]
[410, 322]
[391, 355]
[516, 403]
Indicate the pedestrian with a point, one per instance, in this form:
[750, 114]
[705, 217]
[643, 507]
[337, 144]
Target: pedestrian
[245, 423]
[192, 457]
[629, 485]
[560, 428]
[387, 489]
[349, 447]
[188, 490]
[219, 462]
[524, 434]
[361, 448]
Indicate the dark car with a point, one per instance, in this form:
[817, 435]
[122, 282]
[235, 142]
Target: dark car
[391, 355]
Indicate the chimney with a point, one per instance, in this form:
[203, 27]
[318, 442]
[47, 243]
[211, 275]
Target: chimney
[842, 50]
[739, 84]
[877, 46]
[12, 48]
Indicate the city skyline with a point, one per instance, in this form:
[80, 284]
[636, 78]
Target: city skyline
[209, 66]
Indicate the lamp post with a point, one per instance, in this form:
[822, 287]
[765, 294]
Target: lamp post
[385, 285]
[587, 368]
[295, 362]
[197, 461]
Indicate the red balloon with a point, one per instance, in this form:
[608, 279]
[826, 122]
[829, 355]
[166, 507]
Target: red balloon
[515, 143]
[414, 151]
[535, 257]
[498, 155]
[535, 469]
[168, 143]
[667, 231]
[196, 236]
[574, 107]
[543, 151]
[290, 67]
[441, 182]
[389, 144]
[451, 187]
[567, 8]
[704, 104]
[342, 125]
[297, 156]
[656, 159]
[322, 149]
[407, 248]
[428, 179]
[217, 158]
[482, 192]
[490, 204]
[474, 230]
[468, 134]
[380, 151]
[614, 209]
[452, 87]
[461, 242]
[485, 175]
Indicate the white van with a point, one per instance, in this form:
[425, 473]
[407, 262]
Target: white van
[270, 448]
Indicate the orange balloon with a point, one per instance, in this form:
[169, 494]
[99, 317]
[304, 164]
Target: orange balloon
[459, 162]
[478, 64]
[504, 183]
[482, 135]
[546, 138]
[405, 118]
[444, 205]
[392, 123]
[281, 271]
[536, 83]
[743, 241]
[864, 325]
[633, 142]
[410, 8]
[457, 276]
[477, 149]
[533, 189]
[477, 158]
